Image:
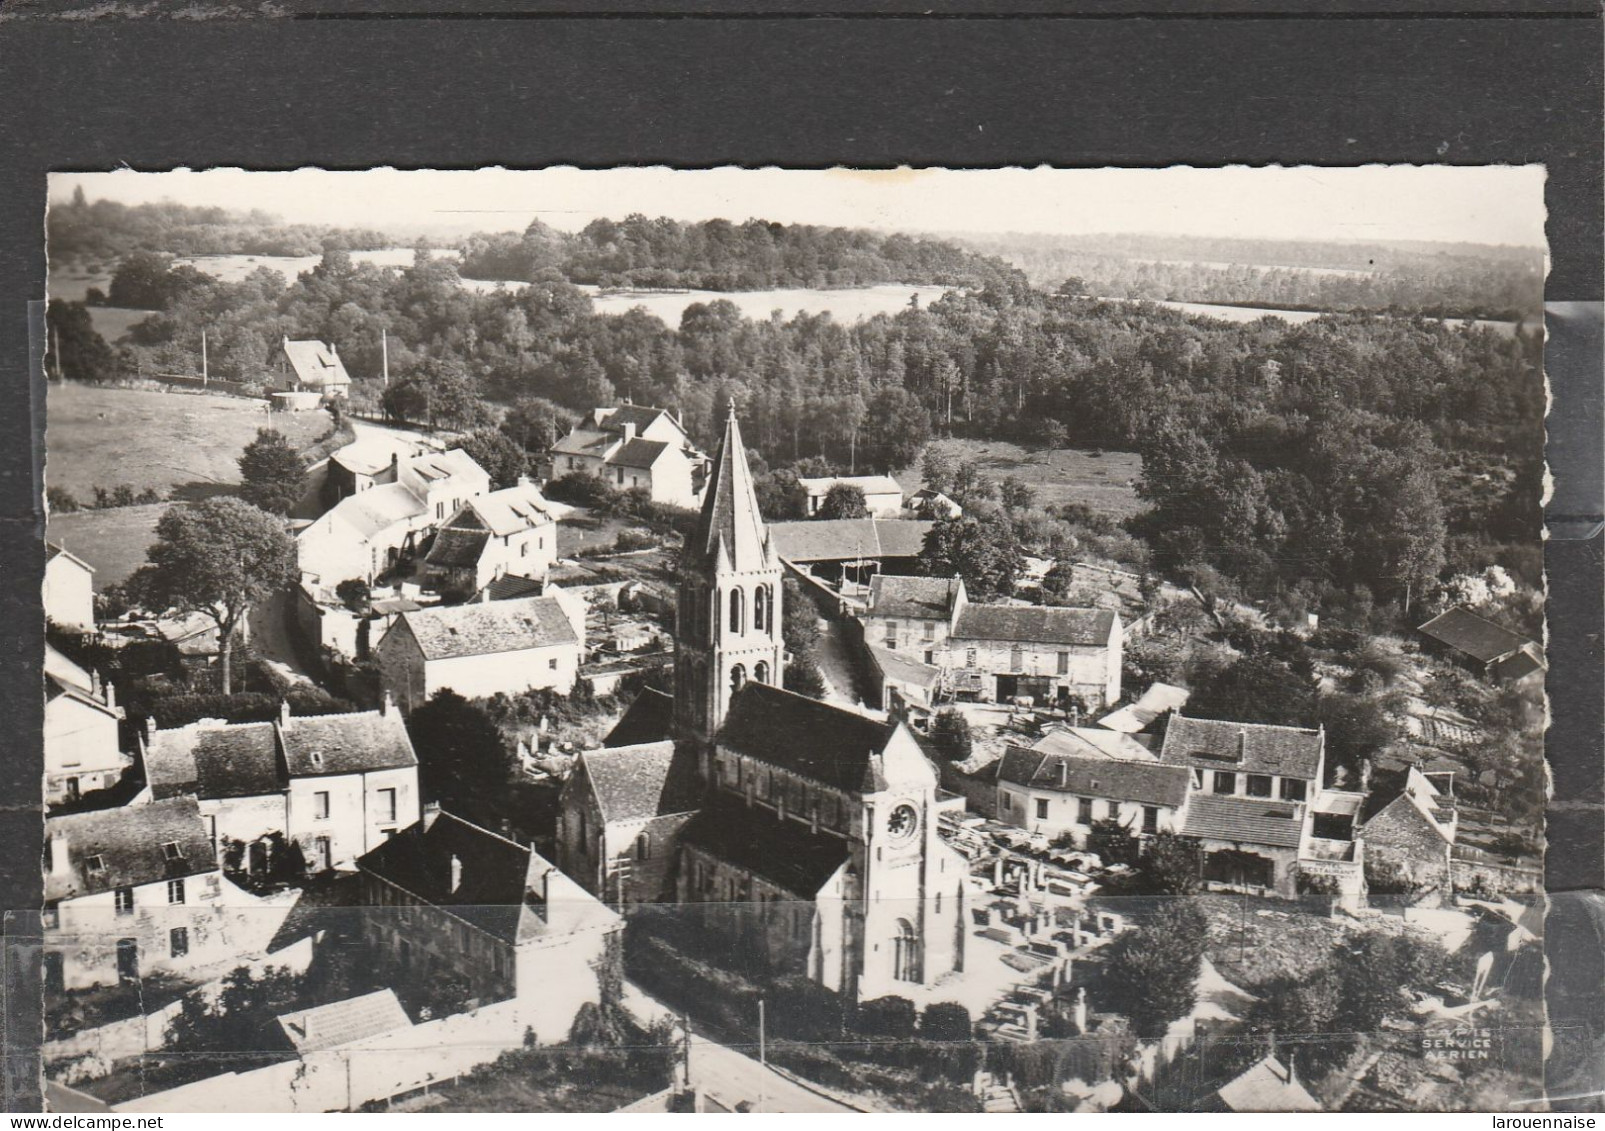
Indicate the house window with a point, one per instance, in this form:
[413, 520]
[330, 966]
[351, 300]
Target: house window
[1042, 808]
[969, 658]
[643, 847]
[930, 656]
[930, 631]
[94, 864]
[621, 476]
[938, 903]
[50, 917]
[125, 901]
[1016, 659]
[175, 891]
[1114, 810]
[387, 833]
[1064, 663]
[552, 663]
[1225, 782]
[1150, 819]
[178, 941]
[1083, 811]
[1292, 789]
[440, 510]
[1258, 785]
[523, 549]
[387, 804]
[171, 852]
[320, 805]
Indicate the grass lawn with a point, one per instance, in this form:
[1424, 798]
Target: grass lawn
[1060, 475]
[113, 541]
[188, 442]
[112, 322]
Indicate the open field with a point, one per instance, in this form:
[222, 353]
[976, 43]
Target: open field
[183, 442]
[1062, 475]
[113, 322]
[114, 541]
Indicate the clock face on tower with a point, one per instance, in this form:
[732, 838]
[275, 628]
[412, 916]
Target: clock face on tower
[903, 822]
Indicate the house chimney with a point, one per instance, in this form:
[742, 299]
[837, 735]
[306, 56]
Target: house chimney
[60, 863]
[456, 873]
[1242, 745]
[1064, 773]
[1292, 1068]
[629, 431]
[284, 712]
[387, 704]
[111, 695]
[430, 814]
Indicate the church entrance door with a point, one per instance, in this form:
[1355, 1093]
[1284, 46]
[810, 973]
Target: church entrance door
[906, 953]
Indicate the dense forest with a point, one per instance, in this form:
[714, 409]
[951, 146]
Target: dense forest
[717, 255]
[1354, 453]
[1455, 280]
[106, 230]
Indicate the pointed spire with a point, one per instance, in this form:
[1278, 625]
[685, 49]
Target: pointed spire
[730, 532]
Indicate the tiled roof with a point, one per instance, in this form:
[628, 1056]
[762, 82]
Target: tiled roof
[1479, 638]
[1253, 748]
[432, 467]
[458, 549]
[869, 484]
[584, 442]
[784, 853]
[68, 674]
[215, 760]
[1150, 705]
[1035, 624]
[1143, 782]
[128, 847]
[650, 718]
[633, 783]
[489, 626]
[640, 415]
[1093, 742]
[918, 598]
[512, 509]
[1243, 820]
[638, 453]
[1267, 1086]
[53, 551]
[903, 668]
[498, 884]
[847, 539]
[368, 512]
[829, 744]
[343, 1022]
[730, 530]
[359, 742]
[510, 587]
[315, 364]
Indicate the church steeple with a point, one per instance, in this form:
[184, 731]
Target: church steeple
[729, 622]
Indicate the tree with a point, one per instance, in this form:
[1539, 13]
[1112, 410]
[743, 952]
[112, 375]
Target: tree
[462, 757]
[503, 460]
[1170, 866]
[895, 429]
[1017, 494]
[844, 500]
[799, 621]
[1253, 689]
[535, 423]
[939, 466]
[217, 557]
[803, 676]
[979, 547]
[1152, 970]
[76, 351]
[271, 473]
[950, 734]
[440, 392]
[355, 594]
[946, 1021]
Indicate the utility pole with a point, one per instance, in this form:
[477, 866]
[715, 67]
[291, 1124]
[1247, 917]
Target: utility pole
[685, 1026]
[763, 1059]
[384, 353]
[203, 358]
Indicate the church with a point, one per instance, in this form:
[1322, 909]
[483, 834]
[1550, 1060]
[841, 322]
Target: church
[810, 832]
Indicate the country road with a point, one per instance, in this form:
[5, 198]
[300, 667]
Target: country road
[732, 1077]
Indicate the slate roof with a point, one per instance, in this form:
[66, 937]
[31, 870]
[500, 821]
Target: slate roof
[510, 587]
[784, 853]
[500, 882]
[902, 668]
[638, 453]
[847, 539]
[432, 467]
[650, 718]
[635, 783]
[1093, 742]
[359, 742]
[640, 415]
[512, 509]
[1143, 782]
[869, 484]
[53, 551]
[1035, 624]
[1478, 637]
[584, 441]
[128, 843]
[1254, 748]
[489, 626]
[917, 598]
[1267, 1086]
[1243, 820]
[315, 364]
[829, 744]
[1149, 706]
[343, 1022]
[378, 508]
[215, 760]
[455, 548]
[730, 531]
[65, 678]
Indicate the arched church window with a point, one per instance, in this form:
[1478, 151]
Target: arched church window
[737, 599]
[738, 676]
[760, 671]
[715, 603]
[906, 953]
[760, 609]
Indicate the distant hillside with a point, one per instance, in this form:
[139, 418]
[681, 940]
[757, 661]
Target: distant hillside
[717, 255]
[1472, 280]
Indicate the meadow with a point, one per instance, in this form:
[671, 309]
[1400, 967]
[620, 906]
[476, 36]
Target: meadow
[1100, 480]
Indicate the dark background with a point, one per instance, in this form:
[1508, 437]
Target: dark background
[423, 83]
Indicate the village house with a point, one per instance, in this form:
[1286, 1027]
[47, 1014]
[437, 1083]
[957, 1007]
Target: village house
[446, 900]
[915, 614]
[1267, 1085]
[333, 786]
[83, 750]
[928, 503]
[313, 366]
[882, 496]
[69, 590]
[1408, 826]
[1491, 650]
[371, 460]
[511, 531]
[1064, 794]
[622, 811]
[630, 446]
[838, 548]
[480, 649]
[372, 531]
[130, 892]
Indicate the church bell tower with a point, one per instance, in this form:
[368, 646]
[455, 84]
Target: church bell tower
[729, 617]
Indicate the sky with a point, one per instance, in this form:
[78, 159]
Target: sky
[1480, 204]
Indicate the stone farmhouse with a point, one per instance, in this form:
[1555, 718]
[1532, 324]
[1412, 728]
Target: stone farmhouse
[83, 751]
[334, 786]
[1409, 823]
[69, 590]
[630, 446]
[130, 892]
[1064, 794]
[882, 495]
[480, 649]
[447, 900]
[511, 531]
[998, 652]
[313, 366]
[373, 530]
